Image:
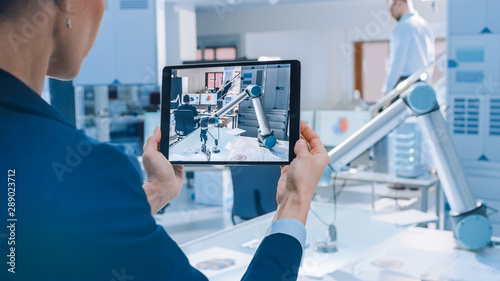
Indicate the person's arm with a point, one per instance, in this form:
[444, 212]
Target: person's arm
[278, 257]
[280, 253]
[299, 180]
[398, 57]
[291, 227]
[98, 223]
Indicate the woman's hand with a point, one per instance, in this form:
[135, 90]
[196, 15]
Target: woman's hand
[299, 180]
[164, 179]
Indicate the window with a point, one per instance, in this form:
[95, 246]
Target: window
[214, 80]
[209, 54]
[217, 54]
[226, 53]
[199, 55]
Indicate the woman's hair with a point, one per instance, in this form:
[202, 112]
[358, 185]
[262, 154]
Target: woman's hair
[11, 8]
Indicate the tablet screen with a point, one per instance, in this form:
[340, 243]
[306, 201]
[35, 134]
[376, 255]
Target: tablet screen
[231, 113]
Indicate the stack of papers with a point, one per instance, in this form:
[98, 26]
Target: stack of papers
[215, 261]
[407, 217]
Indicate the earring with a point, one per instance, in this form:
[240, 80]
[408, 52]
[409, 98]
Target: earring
[68, 22]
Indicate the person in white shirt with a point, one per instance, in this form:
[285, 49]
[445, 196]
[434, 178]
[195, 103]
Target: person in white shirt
[411, 46]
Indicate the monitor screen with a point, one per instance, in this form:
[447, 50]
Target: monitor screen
[258, 122]
[194, 99]
[334, 126]
[208, 99]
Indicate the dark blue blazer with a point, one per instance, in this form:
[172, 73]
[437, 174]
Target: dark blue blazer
[80, 208]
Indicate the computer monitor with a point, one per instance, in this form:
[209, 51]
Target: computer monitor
[194, 99]
[334, 126]
[208, 99]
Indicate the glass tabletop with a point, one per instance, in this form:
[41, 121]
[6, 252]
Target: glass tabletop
[357, 232]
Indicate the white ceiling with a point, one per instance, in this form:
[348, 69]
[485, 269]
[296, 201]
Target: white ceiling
[237, 4]
[204, 5]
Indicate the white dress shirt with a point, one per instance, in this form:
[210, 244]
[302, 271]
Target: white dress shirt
[290, 227]
[411, 48]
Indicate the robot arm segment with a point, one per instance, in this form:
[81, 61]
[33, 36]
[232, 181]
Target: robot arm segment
[472, 228]
[369, 135]
[266, 136]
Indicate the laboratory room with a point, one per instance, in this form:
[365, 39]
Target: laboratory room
[335, 140]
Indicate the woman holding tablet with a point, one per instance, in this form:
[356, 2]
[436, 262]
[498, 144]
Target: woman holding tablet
[77, 209]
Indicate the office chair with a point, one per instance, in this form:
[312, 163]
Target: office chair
[254, 190]
[185, 122]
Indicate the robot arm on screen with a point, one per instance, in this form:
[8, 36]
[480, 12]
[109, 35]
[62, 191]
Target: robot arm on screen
[265, 137]
[471, 227]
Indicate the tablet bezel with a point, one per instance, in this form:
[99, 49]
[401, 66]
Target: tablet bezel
[294, 114]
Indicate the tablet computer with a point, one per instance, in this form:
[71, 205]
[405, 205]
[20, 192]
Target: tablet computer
[236, 113]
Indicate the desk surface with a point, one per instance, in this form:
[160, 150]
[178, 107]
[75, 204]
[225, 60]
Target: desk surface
[421, 254]
[189, 148]
[232, 148]
[426, 180]
[352, 226]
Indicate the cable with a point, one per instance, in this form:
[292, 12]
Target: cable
[343, 184]
[330, 244]
[334, 198]
[211, 135]
[319, 217]
[493, 210]
[335, 194]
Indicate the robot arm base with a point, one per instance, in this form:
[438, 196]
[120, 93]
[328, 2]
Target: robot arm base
[268, 141]
[472, 230]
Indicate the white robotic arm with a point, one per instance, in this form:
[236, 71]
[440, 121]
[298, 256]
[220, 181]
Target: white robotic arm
[472, 229]
[265, 136]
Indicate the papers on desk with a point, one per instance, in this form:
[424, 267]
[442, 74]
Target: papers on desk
[407, 217]
[421, 254]
[235, 132]
[478, 268]
[394, 263]
[215, 261]
[391, 205]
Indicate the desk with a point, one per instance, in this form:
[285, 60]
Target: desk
[232, 148]
[423, 184]
[421, 254]
[353, 240]
[192, 143]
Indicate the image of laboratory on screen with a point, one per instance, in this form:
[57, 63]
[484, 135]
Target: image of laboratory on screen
[230, 114]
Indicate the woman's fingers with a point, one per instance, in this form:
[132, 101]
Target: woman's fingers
[151, 144]
[312, 138]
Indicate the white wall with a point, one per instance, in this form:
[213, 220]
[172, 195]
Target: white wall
[180, 23]
[315, 55]
[187, 30]
[321, 35]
